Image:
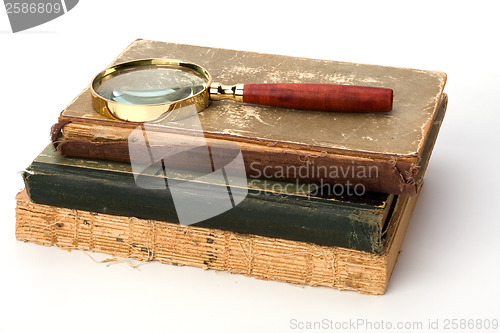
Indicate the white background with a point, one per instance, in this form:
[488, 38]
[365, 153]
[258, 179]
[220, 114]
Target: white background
[450, 264]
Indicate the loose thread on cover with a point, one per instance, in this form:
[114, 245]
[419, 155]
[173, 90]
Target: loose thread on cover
[151, 247]
[57, 222]
[308, 157]
[244, 253]
[317, 253]
[111, 261]
[75, 239]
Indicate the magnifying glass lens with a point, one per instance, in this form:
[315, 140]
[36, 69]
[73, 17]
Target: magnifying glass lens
[149, 85]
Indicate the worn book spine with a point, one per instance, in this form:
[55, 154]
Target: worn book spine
[256, 256]
[355, 223]
[377, 175]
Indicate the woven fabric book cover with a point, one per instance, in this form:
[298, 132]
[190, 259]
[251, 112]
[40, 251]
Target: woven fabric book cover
[256, 256]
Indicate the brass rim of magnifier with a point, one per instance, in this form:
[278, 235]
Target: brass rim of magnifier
[142, 113]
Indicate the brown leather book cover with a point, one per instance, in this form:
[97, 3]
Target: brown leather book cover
[383, 152]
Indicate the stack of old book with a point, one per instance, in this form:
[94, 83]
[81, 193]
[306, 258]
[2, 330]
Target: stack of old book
[326, 199]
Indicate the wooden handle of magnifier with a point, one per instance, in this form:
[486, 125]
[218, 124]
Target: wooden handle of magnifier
[321, 97]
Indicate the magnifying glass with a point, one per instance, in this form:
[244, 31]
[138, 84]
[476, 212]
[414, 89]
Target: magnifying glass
[147, 89]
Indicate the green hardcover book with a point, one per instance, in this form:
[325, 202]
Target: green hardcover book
[265, 208]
